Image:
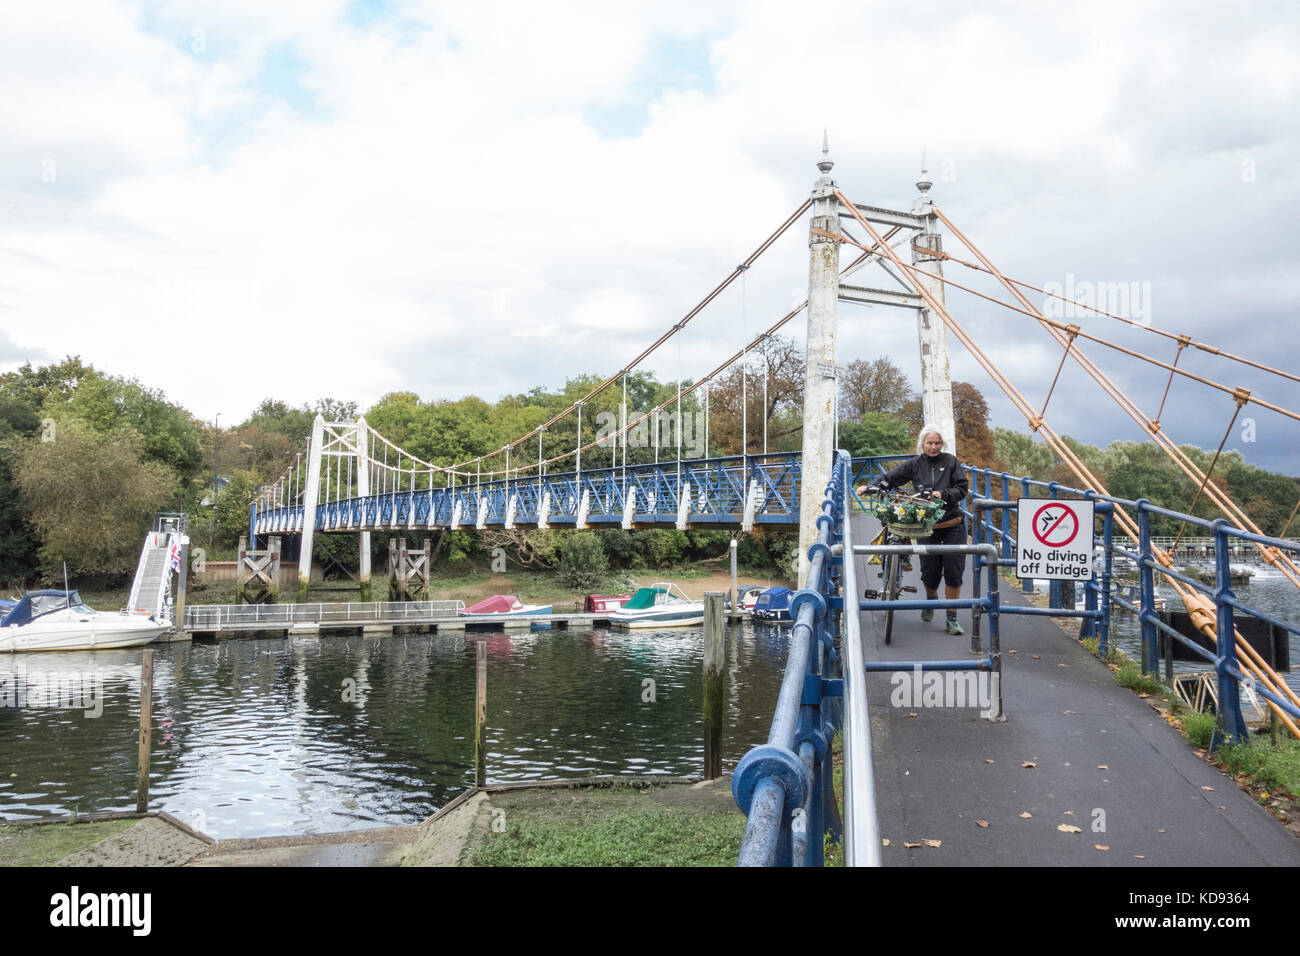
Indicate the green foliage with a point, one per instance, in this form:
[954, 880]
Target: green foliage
[620, 548]
[1275, 766]
[877, 433]
[460, 545]
[110, 403]
[1198, 728]
[1130, 675]
[1024, 457]
[582, 561]
[231, 508]
[91, 496]
[652, 836]
[662, 547]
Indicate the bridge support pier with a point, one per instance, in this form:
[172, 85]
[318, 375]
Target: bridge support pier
[408, 571]
[257, 574]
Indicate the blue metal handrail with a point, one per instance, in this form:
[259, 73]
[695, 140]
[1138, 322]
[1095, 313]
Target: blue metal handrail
[785, 786]
[1225, 601]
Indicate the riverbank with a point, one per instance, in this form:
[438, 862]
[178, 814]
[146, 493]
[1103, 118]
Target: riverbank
[624, 821]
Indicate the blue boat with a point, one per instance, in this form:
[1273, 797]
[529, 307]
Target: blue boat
[773, 606]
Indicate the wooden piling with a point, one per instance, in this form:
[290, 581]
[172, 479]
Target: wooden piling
[146, 734]
[714, 655]
[480, 714]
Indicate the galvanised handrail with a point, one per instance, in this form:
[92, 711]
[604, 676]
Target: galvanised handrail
[861, 826]
[785, 786]
[1225, 601]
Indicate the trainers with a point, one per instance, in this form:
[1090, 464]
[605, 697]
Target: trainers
[954, 628]
[927, 615]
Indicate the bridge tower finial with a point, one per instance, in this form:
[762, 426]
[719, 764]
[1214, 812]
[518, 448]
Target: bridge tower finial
[826, 164]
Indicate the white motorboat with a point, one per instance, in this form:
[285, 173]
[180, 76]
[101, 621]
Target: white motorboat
[61, 621]
[661, 605]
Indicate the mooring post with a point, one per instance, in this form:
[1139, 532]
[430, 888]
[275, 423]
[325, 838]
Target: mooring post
[480, 714]
[735, 592]
[714, 654]
[179, 607]
[146, 723]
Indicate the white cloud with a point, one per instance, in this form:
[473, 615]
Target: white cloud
[449, 218]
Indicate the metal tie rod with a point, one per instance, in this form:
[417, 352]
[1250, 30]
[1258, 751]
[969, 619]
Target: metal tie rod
[989, 551]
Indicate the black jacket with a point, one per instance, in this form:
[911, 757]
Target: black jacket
[942, 474]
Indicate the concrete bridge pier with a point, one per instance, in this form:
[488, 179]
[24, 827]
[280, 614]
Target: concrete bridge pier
[363, 490]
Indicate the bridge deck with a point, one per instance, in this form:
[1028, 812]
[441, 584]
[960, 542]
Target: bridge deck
[939, 770]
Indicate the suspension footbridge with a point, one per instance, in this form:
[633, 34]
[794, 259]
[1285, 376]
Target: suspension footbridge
[355, 480]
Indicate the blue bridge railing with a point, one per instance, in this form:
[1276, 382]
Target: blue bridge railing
[1099, 594]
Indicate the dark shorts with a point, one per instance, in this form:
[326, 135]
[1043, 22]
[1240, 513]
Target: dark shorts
[950, 567]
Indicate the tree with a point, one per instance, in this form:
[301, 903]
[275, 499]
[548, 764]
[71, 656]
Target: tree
[19, 542]
[47, 385]
[873, 386]
[779, 360]
[971, 414]
[582, 561]
[877, 434]
[91, 496]
[1022, 455]
[109, 402]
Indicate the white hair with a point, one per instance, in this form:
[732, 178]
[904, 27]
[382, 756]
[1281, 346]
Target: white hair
[926, 432]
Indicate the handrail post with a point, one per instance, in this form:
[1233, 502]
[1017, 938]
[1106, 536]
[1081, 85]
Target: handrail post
[1026, 584]
[1108, 554]
[977, 535]
[1055, 599]
[1234, 726]
[1006, 517]
[1146, 577]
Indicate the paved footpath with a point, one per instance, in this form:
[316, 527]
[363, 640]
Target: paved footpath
[1101, 755]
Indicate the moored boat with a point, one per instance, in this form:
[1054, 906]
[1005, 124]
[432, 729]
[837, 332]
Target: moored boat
[596, 603]
[506, 606]
[61, 621]
[773, 606]
[660, 605]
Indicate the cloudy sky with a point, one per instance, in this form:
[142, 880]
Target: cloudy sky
[299, 199]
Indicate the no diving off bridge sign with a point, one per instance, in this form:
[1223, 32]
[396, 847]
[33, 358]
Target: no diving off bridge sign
[1055, 540]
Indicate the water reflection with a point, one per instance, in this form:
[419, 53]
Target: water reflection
[311, 734]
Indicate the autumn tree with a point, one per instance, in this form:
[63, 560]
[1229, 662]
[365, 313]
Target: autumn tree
[779, 360]
[91, 495]
[970, 411]
[877, 385]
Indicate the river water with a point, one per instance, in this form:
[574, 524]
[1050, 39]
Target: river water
[260, 737]
[280, 736]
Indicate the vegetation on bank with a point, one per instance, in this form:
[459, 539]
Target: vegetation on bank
[1267, 768]
[87, 458]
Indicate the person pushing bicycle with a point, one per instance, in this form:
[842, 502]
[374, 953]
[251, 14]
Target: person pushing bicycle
[935, 471]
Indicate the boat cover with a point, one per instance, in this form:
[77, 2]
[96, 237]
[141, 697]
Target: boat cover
[774, 599]
[497, 604]
[36, 603]
[644, 598]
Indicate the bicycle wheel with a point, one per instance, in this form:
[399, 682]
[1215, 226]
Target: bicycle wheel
[892, 572]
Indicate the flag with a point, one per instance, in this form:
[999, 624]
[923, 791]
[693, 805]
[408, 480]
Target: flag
[175, 558]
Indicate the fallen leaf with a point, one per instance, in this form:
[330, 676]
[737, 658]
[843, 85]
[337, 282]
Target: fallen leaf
[1102, 766]
[912, 846]
[1100, 847]
[1069, 813]
[1062, 665]
[1211, 789]
[1066, 828]
[1143, 696]
[1026, 815]
[912, 714]
[1264, 794]
[1160, 831]
[917, 751]
[982, 823]
[1037, 658]
[1011, 652]
[1028, 763]
[933, 843]
[884, 843]
[1223, 808]
[1068, 713]
[1138, 856]
[987, 760]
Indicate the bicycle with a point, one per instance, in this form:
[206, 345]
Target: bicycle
[892, 565]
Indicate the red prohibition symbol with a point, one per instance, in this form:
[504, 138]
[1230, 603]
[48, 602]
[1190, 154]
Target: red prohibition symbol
[1055, 530]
